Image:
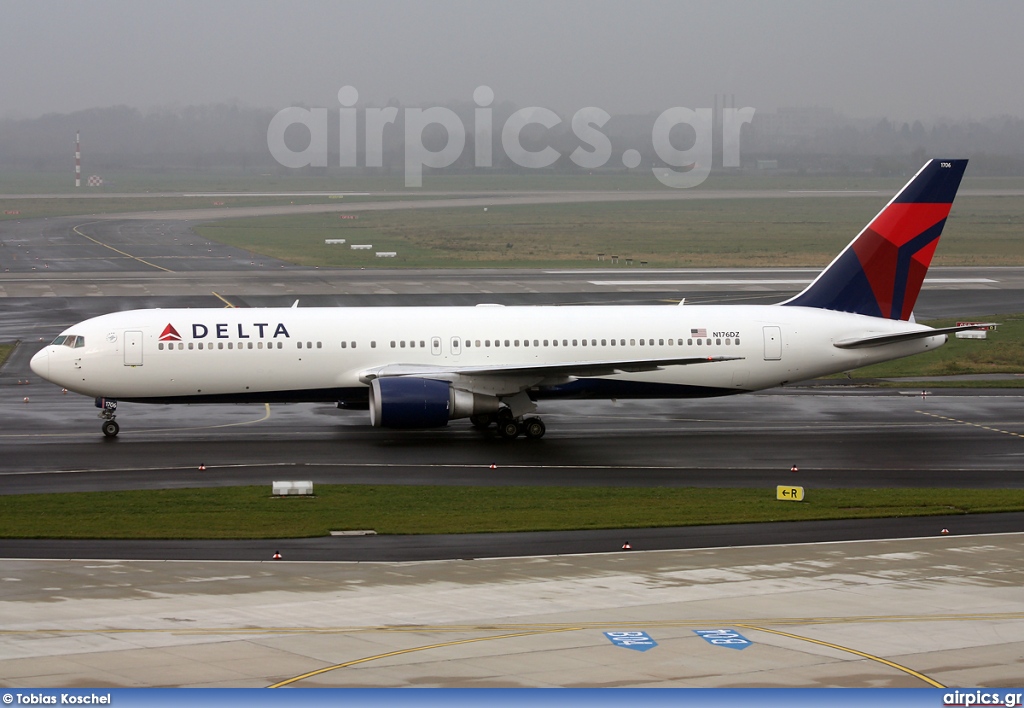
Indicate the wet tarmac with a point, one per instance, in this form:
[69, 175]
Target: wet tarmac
[869, 603]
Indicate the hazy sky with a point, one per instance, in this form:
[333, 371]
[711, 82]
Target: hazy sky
[902, 60]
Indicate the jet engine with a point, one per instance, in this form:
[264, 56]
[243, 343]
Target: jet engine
[407, 402]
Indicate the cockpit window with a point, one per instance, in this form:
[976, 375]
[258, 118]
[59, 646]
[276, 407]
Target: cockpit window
[69, 340]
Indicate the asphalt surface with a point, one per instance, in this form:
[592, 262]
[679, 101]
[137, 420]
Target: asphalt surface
[838, 435]
[892, 602]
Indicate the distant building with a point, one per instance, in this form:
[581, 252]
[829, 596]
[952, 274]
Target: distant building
[790, 128]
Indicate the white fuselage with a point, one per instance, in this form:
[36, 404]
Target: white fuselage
[307, 354]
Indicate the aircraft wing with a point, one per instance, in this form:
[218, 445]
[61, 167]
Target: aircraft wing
[537, 372]
[877, 340]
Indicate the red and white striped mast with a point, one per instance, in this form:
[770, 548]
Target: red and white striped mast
[78, 161]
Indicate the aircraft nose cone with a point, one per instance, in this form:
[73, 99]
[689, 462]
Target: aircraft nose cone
[40, 364]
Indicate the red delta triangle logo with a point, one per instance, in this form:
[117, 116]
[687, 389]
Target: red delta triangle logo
[170, 334]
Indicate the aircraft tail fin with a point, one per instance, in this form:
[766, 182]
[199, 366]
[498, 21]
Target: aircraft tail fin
[881, 271]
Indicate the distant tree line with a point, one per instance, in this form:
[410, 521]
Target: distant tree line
[230, 136]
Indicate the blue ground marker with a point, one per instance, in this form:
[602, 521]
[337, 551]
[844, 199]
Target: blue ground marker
[639, 641]
[723, 638]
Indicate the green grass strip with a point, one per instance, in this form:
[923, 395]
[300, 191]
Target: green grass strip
[696, 233]
[5, 351]
[251, 512]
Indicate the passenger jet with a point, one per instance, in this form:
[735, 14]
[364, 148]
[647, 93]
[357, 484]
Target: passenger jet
[420, 367]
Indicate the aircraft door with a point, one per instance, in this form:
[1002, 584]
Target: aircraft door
[435, 346]
[772, 343]
[456, 346]
[133, 348]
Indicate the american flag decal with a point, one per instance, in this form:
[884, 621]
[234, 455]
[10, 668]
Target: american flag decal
[698, 332]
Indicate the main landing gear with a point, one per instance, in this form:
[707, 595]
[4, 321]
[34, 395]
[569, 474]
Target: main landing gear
[510, 428]
[108, 408]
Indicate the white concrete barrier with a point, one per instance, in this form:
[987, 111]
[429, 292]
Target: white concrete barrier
[284, 489]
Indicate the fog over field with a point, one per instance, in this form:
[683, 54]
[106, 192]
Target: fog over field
[906, 61]
[191, 77]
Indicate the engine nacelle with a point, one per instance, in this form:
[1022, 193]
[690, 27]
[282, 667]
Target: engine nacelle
[406, 402]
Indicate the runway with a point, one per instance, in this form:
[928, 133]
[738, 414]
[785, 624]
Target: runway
[838, 434]
[502, 609]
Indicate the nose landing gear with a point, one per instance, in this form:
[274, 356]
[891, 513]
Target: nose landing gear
[108, 408]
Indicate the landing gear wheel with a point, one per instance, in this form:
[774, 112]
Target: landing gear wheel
[110, 428]
[534, 428]
[482, 421]
[509, 429]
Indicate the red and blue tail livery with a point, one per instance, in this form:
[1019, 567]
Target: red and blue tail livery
[880, 273]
